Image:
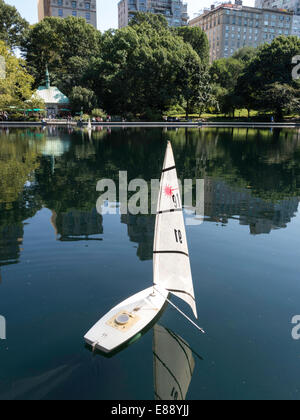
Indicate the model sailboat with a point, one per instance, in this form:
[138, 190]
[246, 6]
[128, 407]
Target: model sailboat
[171, 272]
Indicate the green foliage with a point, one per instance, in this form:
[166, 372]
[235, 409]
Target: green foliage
[83, 117]
[197, 39]
[195, 85]
[175, 110]
[16, 87]
[270, 69]
[224, 74]
[65, 45]
[17, 162]
[136, 71]
[144, 66]
[245, 54]
[157, 22]
[82, 99]
[273, 63]
[98, 113]
[226, 71]
[13, 27]
[279, 97]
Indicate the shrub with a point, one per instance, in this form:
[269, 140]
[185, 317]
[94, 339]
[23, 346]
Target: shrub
[98, 113]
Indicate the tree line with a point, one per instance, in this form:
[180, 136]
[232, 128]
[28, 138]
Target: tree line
[146, 69]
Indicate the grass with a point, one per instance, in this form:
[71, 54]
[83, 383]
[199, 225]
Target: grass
[240, 115]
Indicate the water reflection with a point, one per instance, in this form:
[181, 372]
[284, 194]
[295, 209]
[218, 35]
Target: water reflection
[222, 202]
[173, 361]
[11, 239]
[140, 229]
[174, 365]
[77, 225]
[249, 175]
[48, 185]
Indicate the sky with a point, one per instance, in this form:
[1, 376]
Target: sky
[107, 10]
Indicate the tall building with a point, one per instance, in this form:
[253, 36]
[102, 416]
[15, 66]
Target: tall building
[290, 5]
[175, 11]
[230, 27]
[64, 8]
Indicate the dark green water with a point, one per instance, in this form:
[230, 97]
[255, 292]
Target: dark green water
[63, 265]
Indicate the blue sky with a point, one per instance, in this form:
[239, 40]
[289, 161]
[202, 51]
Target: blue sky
[107, 10]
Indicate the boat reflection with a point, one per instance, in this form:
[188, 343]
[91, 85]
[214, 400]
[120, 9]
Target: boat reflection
[173, 362]
[174, 365]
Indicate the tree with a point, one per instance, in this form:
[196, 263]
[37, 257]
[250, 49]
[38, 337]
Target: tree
[195, 85]
[245, 54]
[157, 22]
[197, 39]
[273, 62]
[142, 67]
[66, 45]
[266, 72]
[279, 98]
[82, 99]
[16, 86]
[13, 27]
[225, 73]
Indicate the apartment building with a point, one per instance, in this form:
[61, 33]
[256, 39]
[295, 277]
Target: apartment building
[290, 5]
[175, 11]
[230, 27]
[64, 8]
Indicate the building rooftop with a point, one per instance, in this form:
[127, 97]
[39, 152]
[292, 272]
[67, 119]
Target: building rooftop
[51, 94]
[240, 7]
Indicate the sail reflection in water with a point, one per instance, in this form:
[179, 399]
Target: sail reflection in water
[173, 365]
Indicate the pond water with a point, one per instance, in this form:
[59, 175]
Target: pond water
[63, 265]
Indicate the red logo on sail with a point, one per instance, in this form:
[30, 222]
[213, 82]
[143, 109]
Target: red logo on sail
[169, 190]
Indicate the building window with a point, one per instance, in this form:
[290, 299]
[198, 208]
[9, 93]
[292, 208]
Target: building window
[74, 4]
[74, 13]
[60, 2]
[60, 12]
[88, 16]
[88, 6]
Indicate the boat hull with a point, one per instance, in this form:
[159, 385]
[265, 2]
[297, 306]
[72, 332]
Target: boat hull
[140, 310]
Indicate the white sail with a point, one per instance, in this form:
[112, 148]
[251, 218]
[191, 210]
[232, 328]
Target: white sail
[173, 365]
[171, 262]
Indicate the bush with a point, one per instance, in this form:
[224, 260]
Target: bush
[85, 117]
[17, 116]
[98, 113]
[175, 110]
[33, 118]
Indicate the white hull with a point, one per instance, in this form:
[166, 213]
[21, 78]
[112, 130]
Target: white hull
[107, 335]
